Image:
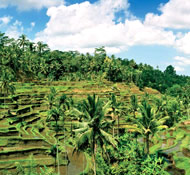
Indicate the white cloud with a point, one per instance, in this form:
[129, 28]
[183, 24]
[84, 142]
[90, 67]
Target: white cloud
[5, 20]
[181, 63]
[23, 5]
[137, 33]
[17, 23]
[32, 24]
[174, 14]
[179, 69]
[183, 43]
[85, 26]
[15, 30]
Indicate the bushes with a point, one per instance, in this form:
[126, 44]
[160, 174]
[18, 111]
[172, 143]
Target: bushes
[129, 158]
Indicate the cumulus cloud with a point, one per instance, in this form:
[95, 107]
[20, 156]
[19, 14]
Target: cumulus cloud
[174, 14]
[23, 5]
[85, 26]
[5, 20]
[183, 43]
[136, 33]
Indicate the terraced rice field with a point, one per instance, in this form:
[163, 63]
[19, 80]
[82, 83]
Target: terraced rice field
[23, 127]
[25, 132]
[175, 143]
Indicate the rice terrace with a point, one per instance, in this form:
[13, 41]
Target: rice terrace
[95, 87]
[27, 138]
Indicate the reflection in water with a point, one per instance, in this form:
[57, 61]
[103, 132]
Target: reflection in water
[172, 149]
[76, 165]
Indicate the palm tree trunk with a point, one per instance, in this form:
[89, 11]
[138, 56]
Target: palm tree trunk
[134, 114]
[71, 126]
[94, 159]
[147, 143]
[57, 149]
[118, 126]
[94, 164]
[55, 163]
[58, 158]
[113, 118]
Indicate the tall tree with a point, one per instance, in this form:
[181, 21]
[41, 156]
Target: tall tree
[3, 40]
[23, 41]
[51, 97]
[55, 112]
[41, 47]
[134, 104]
[148, 123]
[115, 110]
[6, 87]
[93, 130]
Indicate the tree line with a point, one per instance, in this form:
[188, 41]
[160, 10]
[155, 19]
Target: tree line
[24, 60]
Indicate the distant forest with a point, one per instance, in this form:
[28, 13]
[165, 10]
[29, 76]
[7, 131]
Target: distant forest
[23, 60]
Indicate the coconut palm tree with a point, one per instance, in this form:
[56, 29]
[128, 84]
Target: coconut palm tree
[53, 153]
[3, 40]
[5, 83]
[134, 104]
[55, 114]
[93, 129]
[41, 47]
[31, 46]
[67, 104]
[115, 110]
[23, 41]
[174, 110]
[59, 109]
[148, 123]
[51, 97]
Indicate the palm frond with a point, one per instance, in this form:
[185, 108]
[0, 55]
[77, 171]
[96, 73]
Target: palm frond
[108, 138]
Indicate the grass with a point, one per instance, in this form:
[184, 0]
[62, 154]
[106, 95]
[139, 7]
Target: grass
[179, 134]
[182, 163]
[12, 154]
[186, 142]
[3, 142]
[2, 106]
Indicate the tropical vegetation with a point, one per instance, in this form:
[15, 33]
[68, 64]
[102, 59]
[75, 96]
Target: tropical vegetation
[122, 117]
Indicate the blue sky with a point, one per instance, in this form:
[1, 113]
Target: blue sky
[155, 32]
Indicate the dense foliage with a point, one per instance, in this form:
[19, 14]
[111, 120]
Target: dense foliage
[131, 156]
[24, 60]
[130, 159]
